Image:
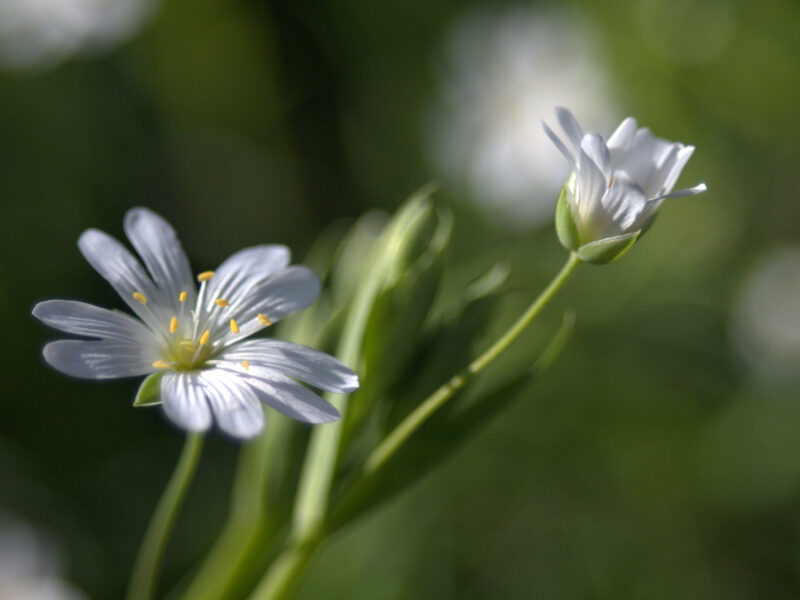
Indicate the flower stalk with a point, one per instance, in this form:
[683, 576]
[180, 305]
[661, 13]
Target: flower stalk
[146, 569]
[389, 446]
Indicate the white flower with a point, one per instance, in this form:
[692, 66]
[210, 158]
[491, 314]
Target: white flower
[197, 339]
[616, 187]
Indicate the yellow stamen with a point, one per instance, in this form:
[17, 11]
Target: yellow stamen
[173, 325]
[182, 297]
[205, 276]
[204, 337]
[140, 297]
[221, 302]
[161, 364]
[234, 326]
[246, 364]
[264, 320]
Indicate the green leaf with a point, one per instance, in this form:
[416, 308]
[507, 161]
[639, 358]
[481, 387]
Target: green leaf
[448, 345]
[353, 254]
[383, 265]
[608, 249]
[398, 314]
[565, 222]
[149, 393]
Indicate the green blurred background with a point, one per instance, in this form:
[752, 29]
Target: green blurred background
[658, 458]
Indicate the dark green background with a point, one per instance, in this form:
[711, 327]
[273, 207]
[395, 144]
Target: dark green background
[648, 463]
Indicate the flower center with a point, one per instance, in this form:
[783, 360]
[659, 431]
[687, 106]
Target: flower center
[189, 354]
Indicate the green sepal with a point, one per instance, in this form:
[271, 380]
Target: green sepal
[149, 393]
[565, 222]
[606, 250]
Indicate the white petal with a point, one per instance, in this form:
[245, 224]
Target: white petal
[184, 401]
[312, 366]
[683, 157]
[156, 242]
[244, 270]
[560, 146]
[88, 320]
[98, 359]
[125, 274]
[638, 159]
[291, 290]
[595, 148]
[698, 189]
[662, 171]
[623, 203]
[234, 403]
[623, 135]
[592, 187]
[571, 127]
[289, 397]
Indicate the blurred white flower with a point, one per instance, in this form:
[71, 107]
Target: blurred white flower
[39, 33]
[615, 188]
[502, 73]
[30, 565]
[766, 317]
[197, 339]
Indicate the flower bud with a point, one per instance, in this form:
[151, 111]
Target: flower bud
[616, 188]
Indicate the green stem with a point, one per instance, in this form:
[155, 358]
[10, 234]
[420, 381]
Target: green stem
[432, 403]
[283, 575]
[243, 525]
[145, 571]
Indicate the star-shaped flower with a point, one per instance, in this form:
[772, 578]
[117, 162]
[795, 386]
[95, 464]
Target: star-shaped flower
[616, 187]
[197, 339]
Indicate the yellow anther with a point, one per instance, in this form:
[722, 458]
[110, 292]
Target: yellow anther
[221, 302]
[205, 276]
[234, 326]
[173, 325]
[264, 320]
[246, 364]
[161, 364]
[140, 297]
[204, 337]
[182, 297]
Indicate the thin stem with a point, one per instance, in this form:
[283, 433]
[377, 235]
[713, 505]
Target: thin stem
[145, 572]
[283, 575]
[432, 403]
[247, 521]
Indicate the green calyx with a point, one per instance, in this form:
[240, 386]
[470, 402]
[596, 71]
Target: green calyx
[598, 252]
[149, 393]
[608, 249]
[566, 228]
